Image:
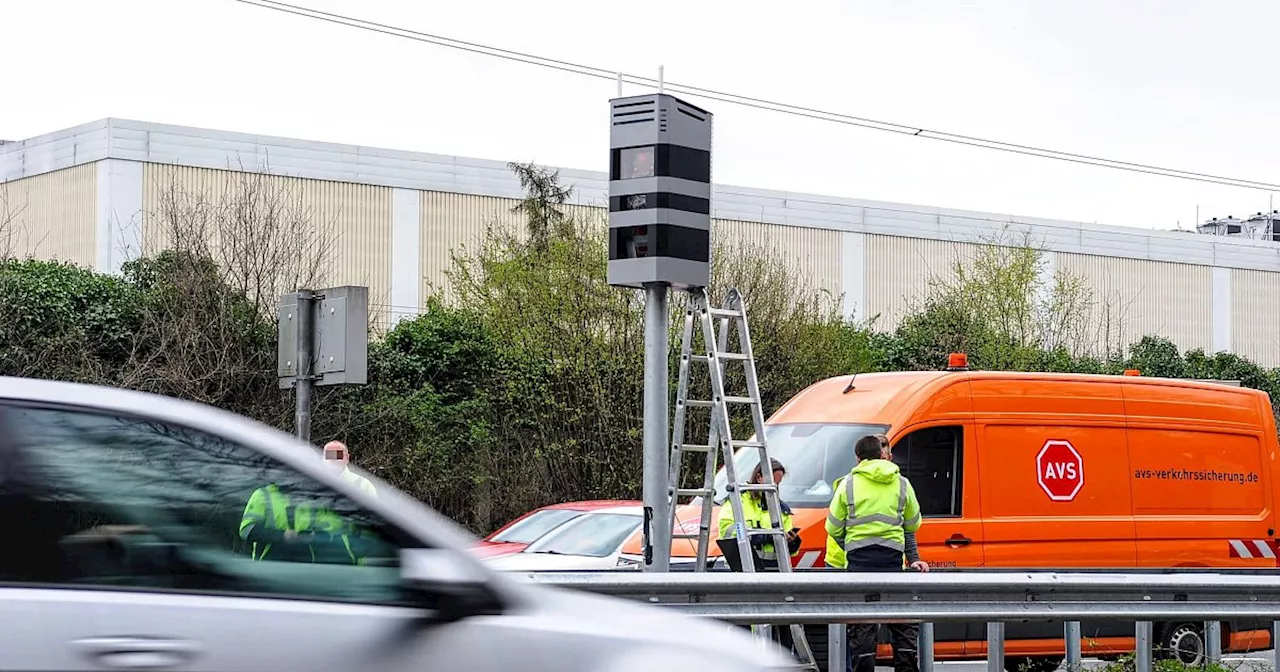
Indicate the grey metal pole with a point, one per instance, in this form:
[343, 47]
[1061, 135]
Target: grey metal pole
[838, 647]
[924, 649]
[302, 387]
[657, 432]
[1072, 634]
[995, 647]
[1275, 644]
[1142, 647]
[1213, 641]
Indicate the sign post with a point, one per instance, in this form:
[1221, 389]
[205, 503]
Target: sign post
[659, 238]
[323, 339]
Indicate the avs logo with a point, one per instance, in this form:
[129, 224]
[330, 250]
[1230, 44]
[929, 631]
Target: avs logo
[1060, 470]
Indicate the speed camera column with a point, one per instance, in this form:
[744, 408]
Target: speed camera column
[659, 193]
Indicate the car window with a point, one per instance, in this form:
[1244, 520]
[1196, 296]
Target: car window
[595, 535]
[535, 525]
[815, 455]
[114, 501]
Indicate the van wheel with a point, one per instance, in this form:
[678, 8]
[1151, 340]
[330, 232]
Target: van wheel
[1183, 642]
[1032, 663]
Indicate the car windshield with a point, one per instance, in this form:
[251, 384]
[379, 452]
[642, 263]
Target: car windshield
[596, 535]
[814, 455]
[536, 524]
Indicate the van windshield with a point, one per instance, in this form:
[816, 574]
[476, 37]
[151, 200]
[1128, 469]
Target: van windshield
[814, 454]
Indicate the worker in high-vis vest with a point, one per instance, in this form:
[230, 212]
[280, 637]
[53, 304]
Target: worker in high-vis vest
[280, 529]
[756, 513]
[755, 510]
[872, 515]
[338, 456]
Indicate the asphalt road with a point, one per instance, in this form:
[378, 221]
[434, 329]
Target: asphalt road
[1258, 661]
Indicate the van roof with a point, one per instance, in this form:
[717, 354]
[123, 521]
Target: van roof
[892, 398]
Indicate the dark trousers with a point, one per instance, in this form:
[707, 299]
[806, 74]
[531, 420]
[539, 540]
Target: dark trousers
[862, 637]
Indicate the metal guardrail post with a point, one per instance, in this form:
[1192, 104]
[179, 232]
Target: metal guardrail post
[1072, 635]
[1142, 646]
[924, 648]
[995, 647]
[837, 647]
[1275, 644]
[1213, 641]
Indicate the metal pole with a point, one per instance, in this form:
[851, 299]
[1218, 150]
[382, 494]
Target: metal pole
[1213, 641]
[924, 649]
[657, 505]
[619, 84]
[302, 389]
[1142, 647]
[837, 647]
[995, 647]
[1072, 634]
[660, 80]
[1275, 644]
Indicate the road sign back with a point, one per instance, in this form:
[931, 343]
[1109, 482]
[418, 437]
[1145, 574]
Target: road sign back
[1060, 470]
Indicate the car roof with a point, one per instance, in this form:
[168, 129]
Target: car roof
[634, 510]
[593, 504]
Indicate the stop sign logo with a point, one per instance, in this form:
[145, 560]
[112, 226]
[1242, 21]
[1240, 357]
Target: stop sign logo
[1060, 470]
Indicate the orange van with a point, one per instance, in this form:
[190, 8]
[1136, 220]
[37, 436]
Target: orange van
[1042, 470]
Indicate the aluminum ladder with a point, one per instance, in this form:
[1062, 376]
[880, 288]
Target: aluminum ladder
[715, 354]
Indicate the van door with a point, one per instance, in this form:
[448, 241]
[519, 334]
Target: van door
[945, 477]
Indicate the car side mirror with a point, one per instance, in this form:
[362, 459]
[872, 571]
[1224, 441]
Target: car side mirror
[453, 586]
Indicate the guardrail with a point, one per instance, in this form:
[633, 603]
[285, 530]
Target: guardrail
[838, 598]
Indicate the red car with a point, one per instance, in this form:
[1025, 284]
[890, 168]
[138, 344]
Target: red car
[519, 533]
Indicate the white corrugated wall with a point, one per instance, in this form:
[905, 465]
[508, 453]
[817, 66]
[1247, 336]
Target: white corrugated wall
[1135, 297]
[898, 271]
[346, 226]
[1255, 317]
[51, 216]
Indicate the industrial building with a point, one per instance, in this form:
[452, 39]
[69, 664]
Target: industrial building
[89, 195]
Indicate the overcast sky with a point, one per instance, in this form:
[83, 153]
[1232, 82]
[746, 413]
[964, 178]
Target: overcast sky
[1175, 83]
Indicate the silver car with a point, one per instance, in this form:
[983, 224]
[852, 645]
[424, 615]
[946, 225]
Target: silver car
[135, 539]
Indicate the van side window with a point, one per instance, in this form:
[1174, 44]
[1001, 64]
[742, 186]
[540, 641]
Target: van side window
[933, 459]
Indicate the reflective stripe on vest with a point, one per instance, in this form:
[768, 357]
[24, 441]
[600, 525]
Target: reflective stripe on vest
[853, 520]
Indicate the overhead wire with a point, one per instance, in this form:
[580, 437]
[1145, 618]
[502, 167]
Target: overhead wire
[758, 103]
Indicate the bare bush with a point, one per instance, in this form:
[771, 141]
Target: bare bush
[255, 227]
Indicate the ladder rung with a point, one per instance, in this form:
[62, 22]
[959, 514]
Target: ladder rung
[694, 492]
[732, 356]
[762, 531]
[685, 535]
[703, 403]
[696, 447]
[747, 444]
[724, 313]
[757, 487]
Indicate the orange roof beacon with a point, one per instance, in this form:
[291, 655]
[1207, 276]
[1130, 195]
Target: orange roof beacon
[1043, 470]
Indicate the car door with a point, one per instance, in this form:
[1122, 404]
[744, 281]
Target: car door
[124, 551]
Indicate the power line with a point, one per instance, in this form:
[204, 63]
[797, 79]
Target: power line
[758, 103]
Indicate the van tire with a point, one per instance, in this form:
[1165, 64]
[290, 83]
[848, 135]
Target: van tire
[1032, 663]
[1183, 642]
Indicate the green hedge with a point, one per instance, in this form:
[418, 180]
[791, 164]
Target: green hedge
[522, 386]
